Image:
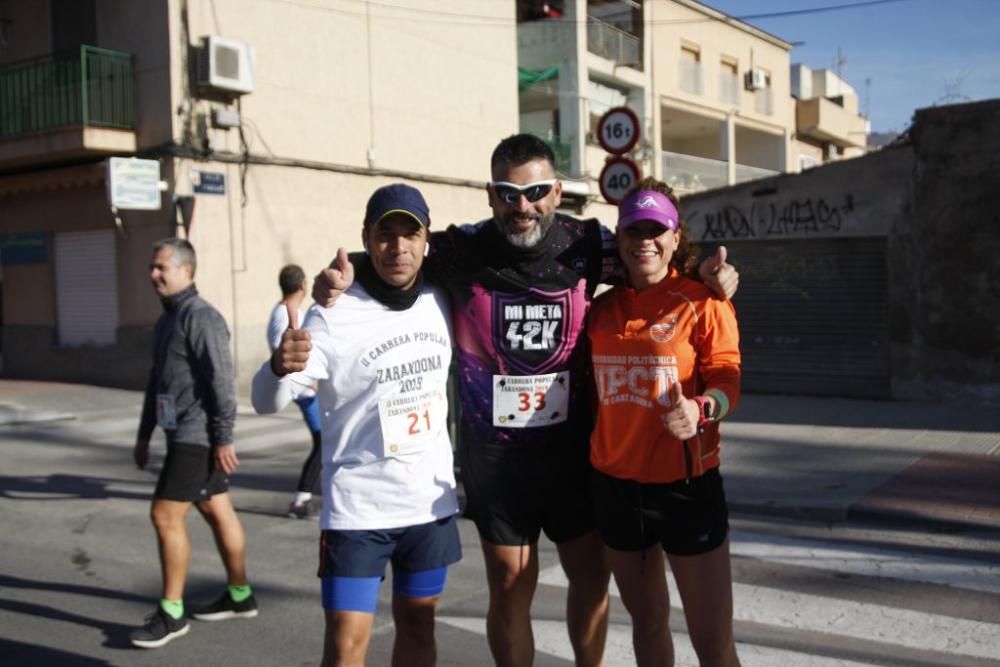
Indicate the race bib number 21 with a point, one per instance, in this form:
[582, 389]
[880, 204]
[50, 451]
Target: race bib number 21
[410, 421]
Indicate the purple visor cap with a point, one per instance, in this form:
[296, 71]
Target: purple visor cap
[647, 205]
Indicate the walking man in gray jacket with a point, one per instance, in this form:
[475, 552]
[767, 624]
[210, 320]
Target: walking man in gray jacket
[190, 396]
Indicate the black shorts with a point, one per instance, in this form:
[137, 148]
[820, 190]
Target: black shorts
[189, 474]
[514, 493]
[686, 518]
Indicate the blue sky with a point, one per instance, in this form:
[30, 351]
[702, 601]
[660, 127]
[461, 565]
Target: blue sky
[916, 53]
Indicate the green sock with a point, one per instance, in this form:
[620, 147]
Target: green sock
[174, 608]
[240, 593]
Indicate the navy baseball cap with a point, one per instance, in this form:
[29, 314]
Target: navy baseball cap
[397, 198]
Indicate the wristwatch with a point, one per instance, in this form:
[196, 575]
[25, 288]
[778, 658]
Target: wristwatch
[704, 410]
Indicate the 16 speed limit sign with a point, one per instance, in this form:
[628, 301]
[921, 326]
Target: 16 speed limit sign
[618, 130]
[618, 175]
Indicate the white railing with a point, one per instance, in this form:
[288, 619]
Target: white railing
[609, 42]
[729, 88]
[691, 173]
[691, 76]
[764, 101]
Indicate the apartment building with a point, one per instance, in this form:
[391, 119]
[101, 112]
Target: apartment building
[714, 94]
[269, 122]
[828, 124]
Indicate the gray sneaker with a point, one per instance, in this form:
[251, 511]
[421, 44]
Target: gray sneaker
[225, 608]
[159, 629]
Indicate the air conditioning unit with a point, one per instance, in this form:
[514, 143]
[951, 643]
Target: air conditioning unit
[755, 79]
[225, 65]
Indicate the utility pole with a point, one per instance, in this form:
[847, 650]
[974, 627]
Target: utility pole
[868, 90]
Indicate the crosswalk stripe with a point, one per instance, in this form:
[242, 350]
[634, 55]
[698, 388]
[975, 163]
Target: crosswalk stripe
[550, 638]
[856, 620]
[866, 561]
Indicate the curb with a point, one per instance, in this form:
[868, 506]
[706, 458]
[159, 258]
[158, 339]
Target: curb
[860, 513]
[14, 416]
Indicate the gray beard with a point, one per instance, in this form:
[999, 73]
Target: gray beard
[531, 239]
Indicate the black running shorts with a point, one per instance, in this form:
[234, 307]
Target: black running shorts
[514, 493]
[686, 518]
[189, 474]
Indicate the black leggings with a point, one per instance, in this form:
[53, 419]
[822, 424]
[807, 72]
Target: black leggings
[309, 477]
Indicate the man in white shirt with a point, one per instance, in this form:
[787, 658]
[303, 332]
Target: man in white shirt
[292, 281]
[380, 363]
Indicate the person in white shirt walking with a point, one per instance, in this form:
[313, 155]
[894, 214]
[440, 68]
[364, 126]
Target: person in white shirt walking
[292, 281]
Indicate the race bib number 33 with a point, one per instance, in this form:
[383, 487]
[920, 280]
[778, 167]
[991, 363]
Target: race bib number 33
[410, 421]
[529, 401]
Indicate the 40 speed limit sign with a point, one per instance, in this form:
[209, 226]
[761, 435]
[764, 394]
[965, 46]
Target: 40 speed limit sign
[618, 130]
[619, 174]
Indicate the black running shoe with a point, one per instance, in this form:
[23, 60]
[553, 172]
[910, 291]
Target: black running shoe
[298, 511]
[160, 628]
[225, 608]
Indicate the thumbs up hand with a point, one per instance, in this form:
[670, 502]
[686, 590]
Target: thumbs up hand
[682, 420]
[719, 275]
[332, 281]
[293, 352]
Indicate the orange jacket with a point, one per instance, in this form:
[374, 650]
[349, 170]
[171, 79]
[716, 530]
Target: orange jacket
[641, 343]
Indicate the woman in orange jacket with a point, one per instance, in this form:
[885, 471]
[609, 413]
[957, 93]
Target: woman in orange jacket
[667, 368]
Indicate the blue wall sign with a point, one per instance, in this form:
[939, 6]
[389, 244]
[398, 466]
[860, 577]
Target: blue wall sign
[208, 182]
[29, 248]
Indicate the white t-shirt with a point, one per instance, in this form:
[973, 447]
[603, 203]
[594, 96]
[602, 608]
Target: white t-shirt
[382, 377]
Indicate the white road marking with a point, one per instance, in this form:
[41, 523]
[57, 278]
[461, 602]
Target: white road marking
[867, 561]
[550, 638]
[845, 618]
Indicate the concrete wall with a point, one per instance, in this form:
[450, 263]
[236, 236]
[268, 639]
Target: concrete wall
[936, 202]
[369, 84]
[32, 38]
[947, 321]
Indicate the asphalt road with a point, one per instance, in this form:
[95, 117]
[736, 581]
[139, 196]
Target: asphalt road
[78, 567]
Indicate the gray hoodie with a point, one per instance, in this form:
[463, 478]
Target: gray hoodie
[192, 370]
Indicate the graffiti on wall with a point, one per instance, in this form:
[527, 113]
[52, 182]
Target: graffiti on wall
[798, 217]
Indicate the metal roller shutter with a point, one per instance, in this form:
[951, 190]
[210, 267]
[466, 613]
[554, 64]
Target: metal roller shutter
[86, 288]
[813, 316]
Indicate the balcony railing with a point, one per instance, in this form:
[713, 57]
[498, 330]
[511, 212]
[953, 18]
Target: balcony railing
[763, 101]
[89, 88]
[613, 43]
[691, 173]
[691, 77]
[729, 88]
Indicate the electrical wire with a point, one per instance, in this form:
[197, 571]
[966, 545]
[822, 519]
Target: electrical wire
[466, 18]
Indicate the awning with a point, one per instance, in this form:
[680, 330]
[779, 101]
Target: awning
[527, 78]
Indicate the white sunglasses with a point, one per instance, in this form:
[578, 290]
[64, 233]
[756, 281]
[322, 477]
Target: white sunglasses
[510, 193]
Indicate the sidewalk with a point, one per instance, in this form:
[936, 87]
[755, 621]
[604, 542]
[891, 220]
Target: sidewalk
[836, 459]
[802, 457]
